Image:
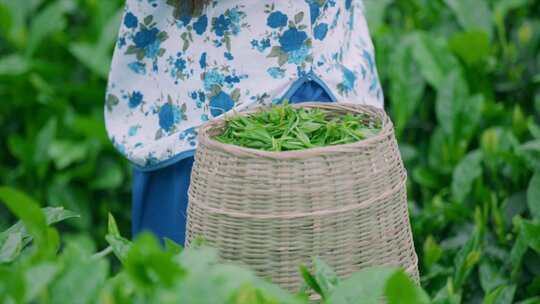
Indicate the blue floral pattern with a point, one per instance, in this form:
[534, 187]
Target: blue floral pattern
[146, 40]
[173, 71]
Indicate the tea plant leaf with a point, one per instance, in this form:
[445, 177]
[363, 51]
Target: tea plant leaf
[502, 7]
[479, 18]
[147, 265]
[81, 277]
[432, 252]
[16, 237]
[533, 300]
[65, 153]
[531, 234]
[49, 21]
[19, 12]
[326, 277]
[407, 84]
[368, 285]
[28, 211]
[172, 247]
[469, 117]
[55, 215]
[490, 276]
[528, 236]
[434, 58]
[14, 65]
[310, 280]
[461, 44]
[400, 289]
[86, 53]
[197, 290]
[12, 286]
[38, 278]
[11, 247]
[516, 254]
[468, 169]
[44, 137]
[468, 256]
[501, 295]
[375, 11]
[450, 99]
[533, 195]
[283, 128]
[530, 151]
[119, 245]
[112, 226]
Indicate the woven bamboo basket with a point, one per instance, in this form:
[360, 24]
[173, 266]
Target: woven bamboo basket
[276, 210]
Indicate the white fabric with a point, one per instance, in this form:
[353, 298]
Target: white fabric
[172, 72]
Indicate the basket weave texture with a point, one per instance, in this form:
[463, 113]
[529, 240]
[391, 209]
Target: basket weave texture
[276, 210]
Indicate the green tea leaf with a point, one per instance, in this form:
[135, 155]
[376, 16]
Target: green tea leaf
[12, 285]
[533, 300]
[375, 11]
[310, 280]
[55, 215]
[368, 285]
[467, 257]
[65, 153]
[86, 53]
[400, 289]
[112, 226]
[28, 211]
[432, 252]
[49, 21]
[477, 18]
[119, 245]
[434, 58]
[462, 43]
[502, 7]
[533, 196]
[326, 277]
[501, 295]
[468, 169]
[450, 100]
[38, 278]
[11, 247]
[516, 254]
[490, 276]
[407, 85]
[148, 265]
[172, 247]
[531, 234]
[530, 151]
[16, 237]
[43, 139]
[425, 177]
[283, 128]
[81, 277]
[14, 65]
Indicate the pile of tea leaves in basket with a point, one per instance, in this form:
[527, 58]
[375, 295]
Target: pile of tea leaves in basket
[286, 128]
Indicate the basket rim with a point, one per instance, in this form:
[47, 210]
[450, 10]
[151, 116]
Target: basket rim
[387, 129]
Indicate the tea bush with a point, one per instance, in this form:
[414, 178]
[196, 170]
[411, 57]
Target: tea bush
[31, 271]
[462, 85]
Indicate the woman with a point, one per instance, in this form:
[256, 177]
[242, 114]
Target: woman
[179, 63]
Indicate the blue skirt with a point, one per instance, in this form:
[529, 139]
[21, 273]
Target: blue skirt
[160, 197]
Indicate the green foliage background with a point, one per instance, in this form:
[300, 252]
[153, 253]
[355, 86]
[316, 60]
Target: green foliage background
[462, 84]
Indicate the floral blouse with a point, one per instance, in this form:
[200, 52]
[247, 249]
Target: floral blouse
[171, 72]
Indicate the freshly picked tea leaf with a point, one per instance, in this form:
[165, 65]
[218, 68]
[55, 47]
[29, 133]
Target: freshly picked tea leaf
[284, 128]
